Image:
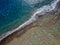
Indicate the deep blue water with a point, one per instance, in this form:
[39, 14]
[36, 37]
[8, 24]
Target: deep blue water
[13, 10]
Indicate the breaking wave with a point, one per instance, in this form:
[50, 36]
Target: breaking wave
[40, 11]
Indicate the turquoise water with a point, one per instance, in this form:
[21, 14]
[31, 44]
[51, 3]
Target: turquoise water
[14, 12]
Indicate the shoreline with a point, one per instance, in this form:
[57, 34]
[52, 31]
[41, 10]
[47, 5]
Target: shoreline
[39, 12]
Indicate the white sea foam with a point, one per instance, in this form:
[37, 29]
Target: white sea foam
[33, 18]
[31, 2]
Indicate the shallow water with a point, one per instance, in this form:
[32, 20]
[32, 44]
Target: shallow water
[14, 12]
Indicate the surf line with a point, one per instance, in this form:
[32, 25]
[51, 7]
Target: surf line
[40, 11]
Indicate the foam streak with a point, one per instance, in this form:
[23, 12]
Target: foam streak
[40, 11]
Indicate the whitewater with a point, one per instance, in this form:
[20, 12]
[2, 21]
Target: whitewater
[40, 11]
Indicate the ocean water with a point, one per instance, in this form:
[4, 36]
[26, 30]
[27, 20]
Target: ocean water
[15, 12]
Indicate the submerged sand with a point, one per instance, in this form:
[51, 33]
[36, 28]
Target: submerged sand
[44, 31]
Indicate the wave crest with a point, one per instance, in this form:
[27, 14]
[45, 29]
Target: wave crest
[40, 11]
